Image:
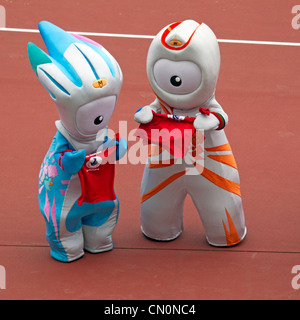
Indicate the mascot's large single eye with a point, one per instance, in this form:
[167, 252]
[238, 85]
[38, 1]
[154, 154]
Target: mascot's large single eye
[94, 116]
[98, 120]
[176, 81]
[177, 77]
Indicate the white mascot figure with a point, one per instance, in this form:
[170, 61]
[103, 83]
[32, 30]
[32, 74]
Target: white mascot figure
[183, 66]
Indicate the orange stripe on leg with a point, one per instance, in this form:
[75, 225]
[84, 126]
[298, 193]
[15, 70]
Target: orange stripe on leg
[162, 185]
[232, 237]
[162, 164]
[225, 158]
[223, 147]
[221, 182]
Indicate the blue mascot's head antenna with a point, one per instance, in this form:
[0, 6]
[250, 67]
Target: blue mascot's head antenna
[77, 72]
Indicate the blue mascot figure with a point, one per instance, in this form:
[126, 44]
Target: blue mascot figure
[76, 180]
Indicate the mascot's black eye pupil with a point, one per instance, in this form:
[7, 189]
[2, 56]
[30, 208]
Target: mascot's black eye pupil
[176, 81]
[98, 120]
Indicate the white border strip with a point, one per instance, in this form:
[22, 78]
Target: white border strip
[134, 36]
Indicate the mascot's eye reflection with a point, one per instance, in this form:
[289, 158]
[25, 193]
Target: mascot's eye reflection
[176, 81]
[98, 120]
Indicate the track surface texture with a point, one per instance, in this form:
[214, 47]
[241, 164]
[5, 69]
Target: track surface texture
[259, 88]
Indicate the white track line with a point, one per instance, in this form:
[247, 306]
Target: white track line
[135, 36]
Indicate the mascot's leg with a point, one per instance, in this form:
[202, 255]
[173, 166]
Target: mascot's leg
[163, 193]
[69, 248]
[99, 226]
[219, 204]
[89, 227]
[70, 228]
[65, 245]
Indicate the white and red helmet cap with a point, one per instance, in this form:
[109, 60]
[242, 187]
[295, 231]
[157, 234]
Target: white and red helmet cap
[183, 64]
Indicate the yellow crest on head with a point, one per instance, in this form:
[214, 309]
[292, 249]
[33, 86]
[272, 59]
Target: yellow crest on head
[175, 42]
[100, 83]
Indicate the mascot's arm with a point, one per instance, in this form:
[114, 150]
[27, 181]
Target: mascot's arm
[145, 114]
[212, 118]
[121, 145]
[72, 161]
[122, 148]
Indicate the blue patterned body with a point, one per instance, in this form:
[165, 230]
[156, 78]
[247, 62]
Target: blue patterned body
[84, 81]
[66, 220]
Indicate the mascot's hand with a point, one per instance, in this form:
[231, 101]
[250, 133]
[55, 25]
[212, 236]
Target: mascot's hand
[144, 115]
[120, 144]
[72, 162]
[121, 149]
[206, 122]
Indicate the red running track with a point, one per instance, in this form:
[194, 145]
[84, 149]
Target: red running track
[259, 88]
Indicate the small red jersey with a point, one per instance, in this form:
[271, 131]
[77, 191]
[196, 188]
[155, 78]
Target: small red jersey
[97, 177]
[173, 133]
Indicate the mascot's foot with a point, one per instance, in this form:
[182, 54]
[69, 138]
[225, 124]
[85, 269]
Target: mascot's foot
[79, 258]
[66, 260]
[226, 245]
[160, 240]
[104, 249]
